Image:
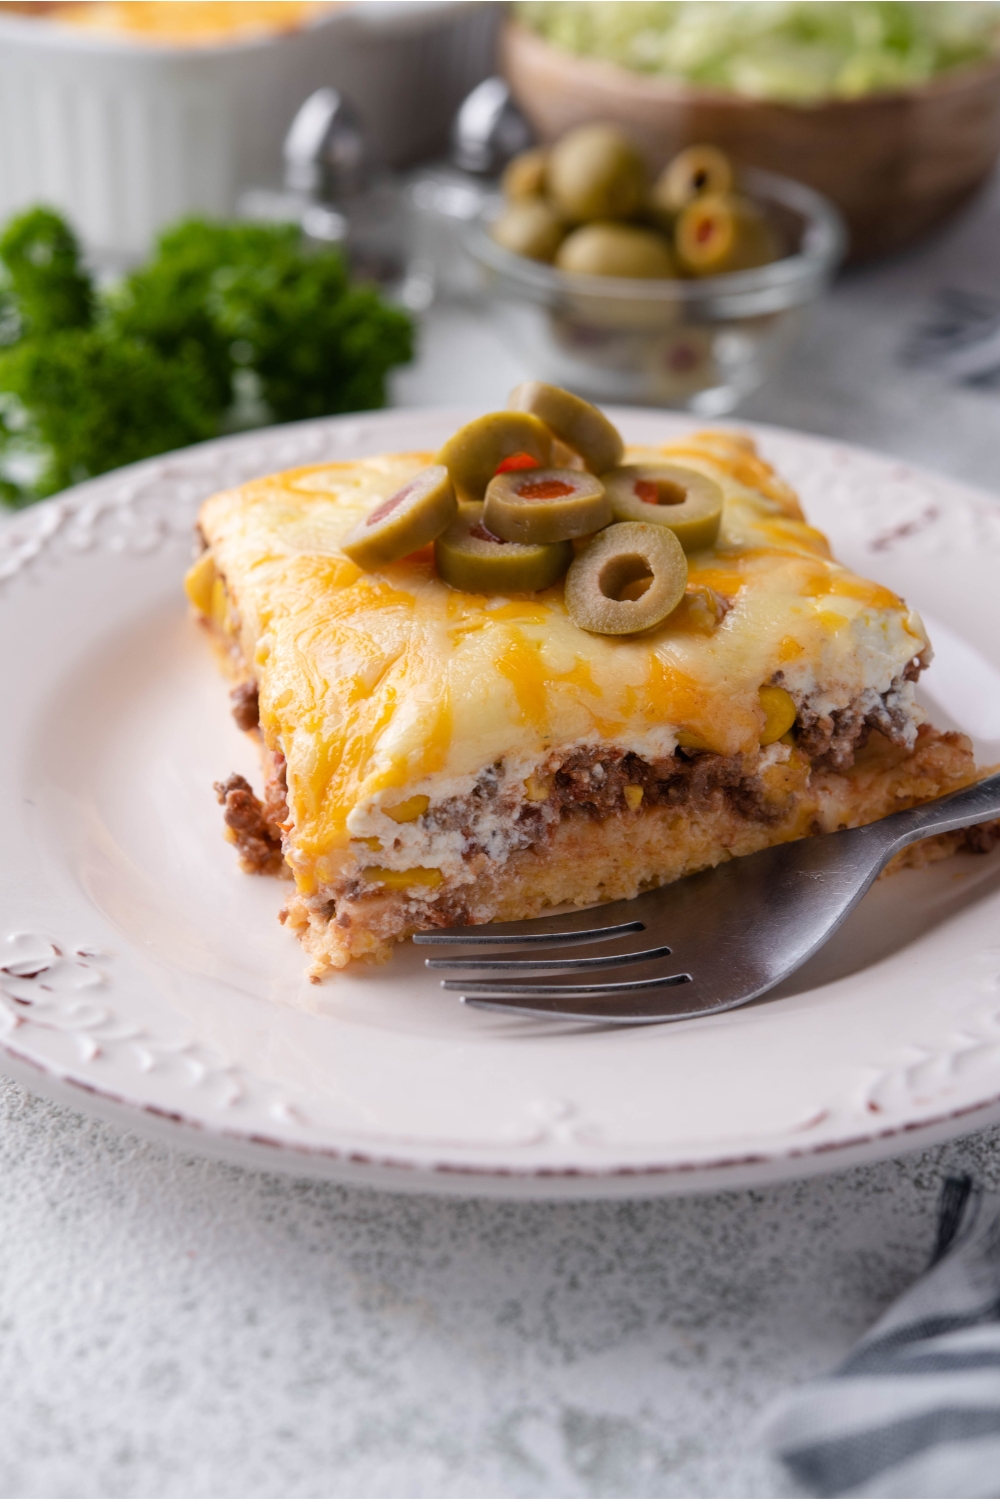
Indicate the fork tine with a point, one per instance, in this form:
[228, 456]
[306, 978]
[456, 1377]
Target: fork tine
[644, 1010]
[559, 965]
[493, 989]
[482, 937]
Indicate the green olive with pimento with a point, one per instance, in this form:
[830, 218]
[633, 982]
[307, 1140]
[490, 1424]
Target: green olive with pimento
[578, 424]
[477, 450]
[545, 505]
[680, 499]
[472, 558]
[404, 521]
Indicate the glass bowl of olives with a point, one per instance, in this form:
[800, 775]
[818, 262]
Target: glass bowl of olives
[685, 290]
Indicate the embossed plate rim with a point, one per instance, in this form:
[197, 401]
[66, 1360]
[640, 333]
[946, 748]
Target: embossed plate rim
[134, 514]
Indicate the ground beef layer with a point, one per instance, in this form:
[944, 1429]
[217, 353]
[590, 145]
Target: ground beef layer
[706, 811]
[256, 827]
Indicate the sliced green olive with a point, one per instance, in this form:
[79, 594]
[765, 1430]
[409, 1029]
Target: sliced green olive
[685, 502]
[474, 559]
[545, 505]
[529, 227]
[595, 172]
[477, 450]
[616, 250]
[524, 175]
[629, 578]
[692, 173]
[406, 520]
[574, 421]
[721, 232]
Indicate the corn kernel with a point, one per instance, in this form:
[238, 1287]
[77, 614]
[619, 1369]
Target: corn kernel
[219, 608]
[401, 880]
[706, 609]
[633, 796]
[373, 844]
[536, 789]
[198, 582]
[689, 741]
[779, 713]
[408, 811]
[789, 648]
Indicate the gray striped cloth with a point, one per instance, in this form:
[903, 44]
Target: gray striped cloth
[915, 1409]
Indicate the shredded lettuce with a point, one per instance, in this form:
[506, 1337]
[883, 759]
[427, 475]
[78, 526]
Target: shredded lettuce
[793, 51]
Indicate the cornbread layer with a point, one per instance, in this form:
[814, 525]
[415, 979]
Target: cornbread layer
[585, 859]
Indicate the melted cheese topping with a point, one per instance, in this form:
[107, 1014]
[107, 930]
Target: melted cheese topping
[379, 687]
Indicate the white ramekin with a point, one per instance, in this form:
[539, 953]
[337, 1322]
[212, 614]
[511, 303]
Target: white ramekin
[123, 137]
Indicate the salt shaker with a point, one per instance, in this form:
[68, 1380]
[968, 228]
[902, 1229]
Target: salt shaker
[445, 197]
[331, 191]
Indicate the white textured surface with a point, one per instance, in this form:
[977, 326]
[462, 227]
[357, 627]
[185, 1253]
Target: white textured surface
[174, 1327]
[170, 1326]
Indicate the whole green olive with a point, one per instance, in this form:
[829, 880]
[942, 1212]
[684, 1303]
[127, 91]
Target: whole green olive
[722, 232]
[524, 175]
[529, 227]
[595, 172]
[616, 250]
[692, 173]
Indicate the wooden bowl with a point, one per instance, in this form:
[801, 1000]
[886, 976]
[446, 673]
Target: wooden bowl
[895, 164]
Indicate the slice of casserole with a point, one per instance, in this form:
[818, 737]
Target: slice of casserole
[435, 757]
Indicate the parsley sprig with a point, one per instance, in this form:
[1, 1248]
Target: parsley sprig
[227, 323]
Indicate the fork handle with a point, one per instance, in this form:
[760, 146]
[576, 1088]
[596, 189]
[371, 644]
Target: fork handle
[978, 803]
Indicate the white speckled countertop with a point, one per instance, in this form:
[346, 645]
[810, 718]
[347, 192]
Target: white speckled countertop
[170, 1326]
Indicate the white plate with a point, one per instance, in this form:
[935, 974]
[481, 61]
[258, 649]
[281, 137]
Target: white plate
[143, 976]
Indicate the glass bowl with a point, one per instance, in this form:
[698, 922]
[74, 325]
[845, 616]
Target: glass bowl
[701, 345]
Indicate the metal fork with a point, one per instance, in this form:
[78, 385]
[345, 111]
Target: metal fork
[710, 942]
